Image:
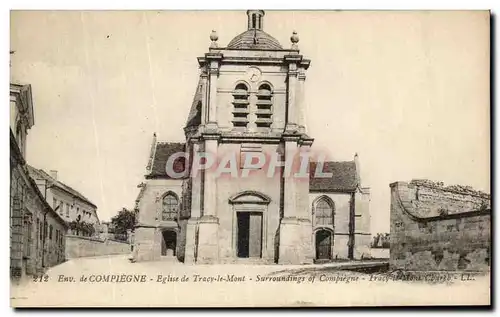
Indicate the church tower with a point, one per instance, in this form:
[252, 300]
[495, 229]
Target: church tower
[249, 102]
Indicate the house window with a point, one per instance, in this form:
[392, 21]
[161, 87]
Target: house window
[77, 211]
[67, 210]
[170, 207]
[324, 212]
[240, 103]
[264, 112]
[50, 232]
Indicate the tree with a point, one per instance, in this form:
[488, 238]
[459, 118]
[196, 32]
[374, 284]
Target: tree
[125, 220]
[78, 226]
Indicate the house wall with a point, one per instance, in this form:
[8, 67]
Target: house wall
[434, 228]
[77, 207]
[55, 243]
[32, 248]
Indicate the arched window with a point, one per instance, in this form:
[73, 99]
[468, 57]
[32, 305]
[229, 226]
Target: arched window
[264, 106]
[324, 212]
[170, 207]
[240, 102]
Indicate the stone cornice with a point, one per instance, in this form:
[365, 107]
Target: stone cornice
[24, 102]
[218, 49]
[245, 198]
[293, 58]
[210, 136]
[205, 60]
[229, 138]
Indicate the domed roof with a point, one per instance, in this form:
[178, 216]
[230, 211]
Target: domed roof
[255, 39]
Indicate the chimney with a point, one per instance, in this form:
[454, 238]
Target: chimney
[53, 174]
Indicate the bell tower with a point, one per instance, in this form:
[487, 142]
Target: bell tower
[250, 103]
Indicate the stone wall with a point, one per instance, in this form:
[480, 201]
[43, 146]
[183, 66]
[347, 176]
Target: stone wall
[434, 227]
[77, 247]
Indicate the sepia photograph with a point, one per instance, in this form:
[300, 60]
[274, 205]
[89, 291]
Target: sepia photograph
[250, 158]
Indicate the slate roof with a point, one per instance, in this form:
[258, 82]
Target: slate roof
[344, 179]
[39, 173]
[162, 152]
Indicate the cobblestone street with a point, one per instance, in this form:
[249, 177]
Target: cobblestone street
[114, 281]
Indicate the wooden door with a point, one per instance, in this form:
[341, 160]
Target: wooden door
[323, 245]
[255, 245]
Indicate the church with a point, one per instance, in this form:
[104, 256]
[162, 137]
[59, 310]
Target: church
[249, 100]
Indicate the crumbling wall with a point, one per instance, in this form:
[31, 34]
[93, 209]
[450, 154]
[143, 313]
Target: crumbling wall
[434, 227]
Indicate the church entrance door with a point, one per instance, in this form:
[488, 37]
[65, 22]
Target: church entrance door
[168, 243]
[323, 245]
[249, 234]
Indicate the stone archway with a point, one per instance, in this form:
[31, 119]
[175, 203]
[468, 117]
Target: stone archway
[169, 243]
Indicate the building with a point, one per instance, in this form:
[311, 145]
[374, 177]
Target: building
[36, 231]
[77, 210]
[436, 227]
[249, 101]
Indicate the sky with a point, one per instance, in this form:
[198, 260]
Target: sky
[407, 91]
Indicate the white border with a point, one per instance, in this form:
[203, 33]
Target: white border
[188, 5]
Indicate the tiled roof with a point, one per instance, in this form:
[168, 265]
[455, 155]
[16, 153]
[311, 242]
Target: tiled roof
[39, 173]
[344, 177]
[254, 39]
[162, 152]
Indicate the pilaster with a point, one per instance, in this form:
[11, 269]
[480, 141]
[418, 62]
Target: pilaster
[292, 61]
[295, 226]
[204, 98]
[213, 61]
[301, 122]
[208, 224]
[196, 202]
